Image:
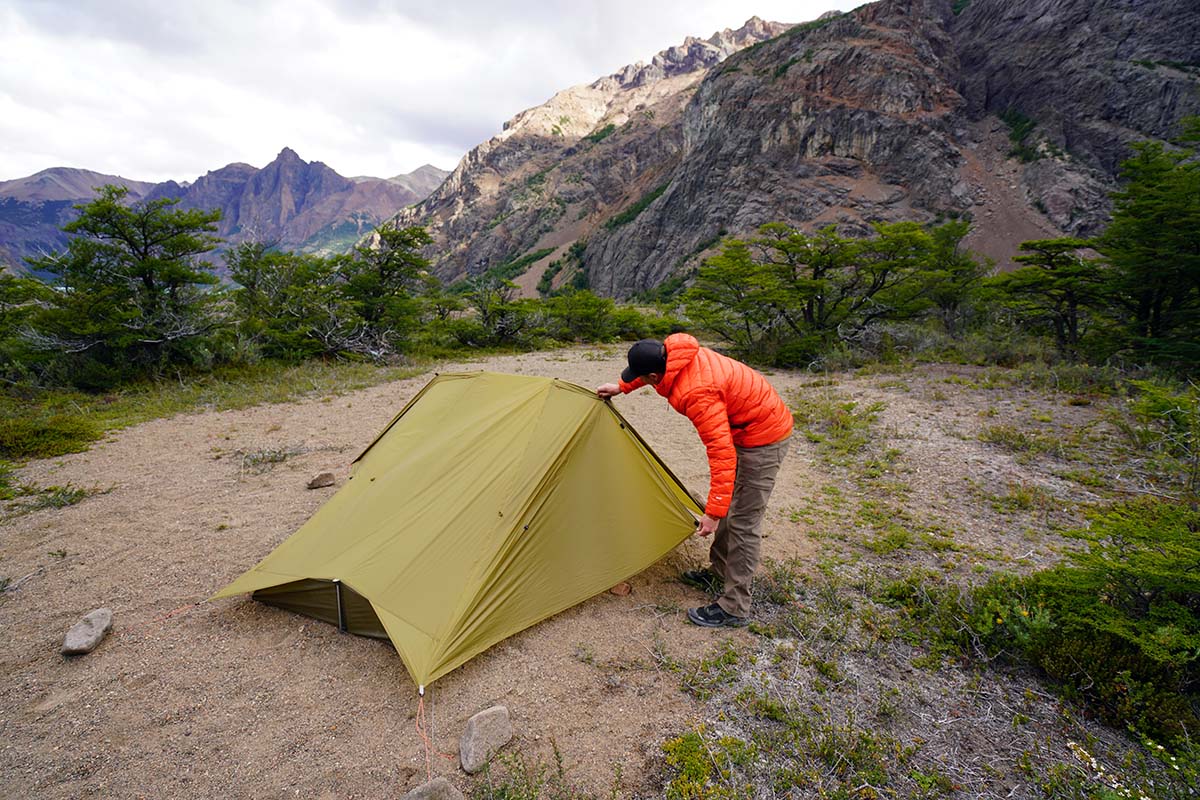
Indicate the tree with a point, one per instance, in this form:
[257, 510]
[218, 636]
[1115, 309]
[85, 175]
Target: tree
[580, 315]
[1058, 288]
[1153, 247]
[20, 299]
[133, 294]
[953, 275]
[289, 304]
[494, 314]
[730, 299]
[383, 280]
[784, 296]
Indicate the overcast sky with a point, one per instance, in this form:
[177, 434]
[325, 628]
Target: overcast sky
[155, 90]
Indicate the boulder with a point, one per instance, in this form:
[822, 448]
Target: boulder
[486, 732]
[436, 789]
[86, 634]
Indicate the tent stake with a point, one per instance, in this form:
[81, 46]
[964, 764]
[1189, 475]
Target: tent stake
[337, 587]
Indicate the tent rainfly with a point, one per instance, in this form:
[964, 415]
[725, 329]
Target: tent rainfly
[489, 503]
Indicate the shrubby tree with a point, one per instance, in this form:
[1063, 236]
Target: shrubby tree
[133, 294]
[785, 296]
[1060, 289]
[953, 276]
[580, 315]
[288, 305]
[368, 303]
[383, 280]
[1153, 249]
[20, 299]
[493, 315]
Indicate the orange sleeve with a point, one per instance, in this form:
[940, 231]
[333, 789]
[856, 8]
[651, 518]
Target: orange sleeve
[707, 412]
[626, 388]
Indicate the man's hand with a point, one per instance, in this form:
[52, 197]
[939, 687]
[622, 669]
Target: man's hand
[707, 525]
[608, 390]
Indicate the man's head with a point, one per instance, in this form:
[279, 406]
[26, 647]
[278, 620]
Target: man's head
[647, 357]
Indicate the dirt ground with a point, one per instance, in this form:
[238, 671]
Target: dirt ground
[235, 699]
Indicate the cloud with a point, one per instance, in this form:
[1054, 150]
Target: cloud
[153, 90]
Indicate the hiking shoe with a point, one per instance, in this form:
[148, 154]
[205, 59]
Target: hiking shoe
[704, 579]
[714, 617]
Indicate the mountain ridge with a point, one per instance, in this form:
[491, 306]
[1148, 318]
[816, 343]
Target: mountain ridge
[885, 113]
[290, 202]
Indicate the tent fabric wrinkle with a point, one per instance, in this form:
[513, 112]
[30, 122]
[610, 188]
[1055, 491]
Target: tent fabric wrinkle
[481, 509]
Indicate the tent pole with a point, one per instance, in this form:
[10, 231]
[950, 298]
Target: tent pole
[337, 587]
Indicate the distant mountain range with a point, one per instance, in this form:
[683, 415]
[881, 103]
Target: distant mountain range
[299, 205]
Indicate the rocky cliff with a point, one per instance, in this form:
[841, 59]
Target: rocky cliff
[300, 205]
[1013, 115]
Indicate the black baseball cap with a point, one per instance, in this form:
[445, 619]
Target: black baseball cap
[646, 356]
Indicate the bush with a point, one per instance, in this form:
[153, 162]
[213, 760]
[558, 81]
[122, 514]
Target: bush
[1118, 626]
[23, 437]
[600, 134]
[1164, 423]
[631, 213]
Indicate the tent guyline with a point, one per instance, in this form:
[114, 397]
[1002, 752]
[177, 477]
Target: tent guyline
[482, 508]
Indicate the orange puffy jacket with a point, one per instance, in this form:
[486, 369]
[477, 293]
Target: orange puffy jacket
[729, 403]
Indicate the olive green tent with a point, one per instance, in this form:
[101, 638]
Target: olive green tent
[490, 503]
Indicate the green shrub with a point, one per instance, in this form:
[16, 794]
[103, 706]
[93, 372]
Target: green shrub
[1020, 126]
[631, 213]
[600, 134]
[8, 477]
[32, 437]
[701, 766]
[782, 69]
[1164, 423]
[1116, 626]
[511, 269]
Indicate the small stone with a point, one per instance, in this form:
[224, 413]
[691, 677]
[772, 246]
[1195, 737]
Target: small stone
[322, 480]
[486, 732]
[86, 634]
[436, 789]
[621, 589]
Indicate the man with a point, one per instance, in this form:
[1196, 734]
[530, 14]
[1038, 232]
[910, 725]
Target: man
[745, 427]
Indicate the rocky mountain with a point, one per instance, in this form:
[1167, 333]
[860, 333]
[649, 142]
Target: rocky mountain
[421, 181]
[1014, 115]
[300, 205]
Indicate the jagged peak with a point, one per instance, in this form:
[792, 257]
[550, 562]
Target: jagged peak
[694, 53]
[288, 154]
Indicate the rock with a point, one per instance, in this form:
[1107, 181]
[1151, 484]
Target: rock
[436, 789]
[321, 481]
[1095, 98]
[86, 634]
[486, 732]
[888, 95]
[621, 589]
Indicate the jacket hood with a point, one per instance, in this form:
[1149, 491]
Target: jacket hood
[681, 350]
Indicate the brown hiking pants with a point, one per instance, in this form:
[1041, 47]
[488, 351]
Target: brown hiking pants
[734, 551]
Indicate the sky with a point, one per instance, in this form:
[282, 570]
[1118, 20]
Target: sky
[153, 90]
